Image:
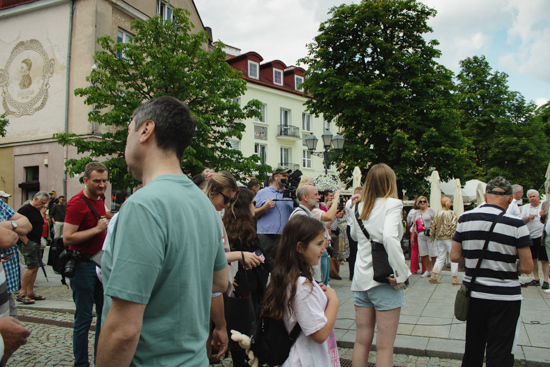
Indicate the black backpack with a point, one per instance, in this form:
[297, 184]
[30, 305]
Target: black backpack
[57, 257]
[271, 342]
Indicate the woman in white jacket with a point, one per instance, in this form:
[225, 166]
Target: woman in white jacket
[378, 303]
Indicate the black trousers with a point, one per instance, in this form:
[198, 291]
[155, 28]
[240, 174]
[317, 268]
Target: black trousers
[268, 244]
[352, 252]
[491, 326]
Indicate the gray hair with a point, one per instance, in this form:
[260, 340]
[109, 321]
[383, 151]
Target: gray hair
[41, 194]
[533, 191]
[303, 190]
[517, 188]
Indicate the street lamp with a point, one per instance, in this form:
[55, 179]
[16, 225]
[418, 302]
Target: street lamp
[336, 142]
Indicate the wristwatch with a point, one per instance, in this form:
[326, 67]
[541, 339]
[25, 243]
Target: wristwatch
[13, 225]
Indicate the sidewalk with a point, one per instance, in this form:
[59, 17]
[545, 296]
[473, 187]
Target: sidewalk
[426, 327]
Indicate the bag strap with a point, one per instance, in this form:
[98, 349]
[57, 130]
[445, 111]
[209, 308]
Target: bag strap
[360, 222]
[295, 332]
[484, 251]
[90, 206]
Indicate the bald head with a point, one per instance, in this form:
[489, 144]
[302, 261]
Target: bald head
[308, 196]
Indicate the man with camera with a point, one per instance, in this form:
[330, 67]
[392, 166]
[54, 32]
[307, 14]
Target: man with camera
[84, 233]
[273, 218]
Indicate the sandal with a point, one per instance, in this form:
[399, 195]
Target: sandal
[27, 300]
[434, 281]
[20, 298]
[36, 297]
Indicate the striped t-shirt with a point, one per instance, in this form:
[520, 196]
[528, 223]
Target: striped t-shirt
[497, 278]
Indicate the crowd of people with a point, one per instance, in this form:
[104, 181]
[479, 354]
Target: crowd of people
[179, 249]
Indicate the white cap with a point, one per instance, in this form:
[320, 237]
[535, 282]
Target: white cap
[4, 194]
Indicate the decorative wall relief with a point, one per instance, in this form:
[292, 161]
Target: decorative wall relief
[25, 79]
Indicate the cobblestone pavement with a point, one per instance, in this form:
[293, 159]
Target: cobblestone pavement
[51, 345]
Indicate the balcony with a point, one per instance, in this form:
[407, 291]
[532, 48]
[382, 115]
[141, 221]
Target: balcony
[292, 132]
[291, 166]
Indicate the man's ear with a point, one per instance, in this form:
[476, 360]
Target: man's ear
[510, 198]
[146, 130]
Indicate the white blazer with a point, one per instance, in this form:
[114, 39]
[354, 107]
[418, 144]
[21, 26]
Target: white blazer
[384, 226]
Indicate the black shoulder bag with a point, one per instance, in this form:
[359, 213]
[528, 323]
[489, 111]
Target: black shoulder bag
[462, 300]
[380, 263]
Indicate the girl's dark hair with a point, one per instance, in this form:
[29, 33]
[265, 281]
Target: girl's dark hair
[289, 264]
[240, 224]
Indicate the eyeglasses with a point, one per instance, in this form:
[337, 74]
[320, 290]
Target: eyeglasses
[227, 200]
[422, 202]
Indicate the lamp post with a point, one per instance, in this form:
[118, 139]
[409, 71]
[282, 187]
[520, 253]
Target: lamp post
[336, 142]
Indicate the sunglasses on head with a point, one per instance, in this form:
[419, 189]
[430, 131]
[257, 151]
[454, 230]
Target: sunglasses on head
[227, 200]
[422, 202]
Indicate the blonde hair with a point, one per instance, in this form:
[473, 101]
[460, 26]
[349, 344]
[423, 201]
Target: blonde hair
[220, 181]
[444, 201]
[420, 198]
[304, 180]
[380, 182]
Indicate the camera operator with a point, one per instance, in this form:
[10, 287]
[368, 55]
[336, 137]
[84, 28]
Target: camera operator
[272, 220]
[84, 232]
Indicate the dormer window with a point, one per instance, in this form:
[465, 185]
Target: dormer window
[277, 76]
[298, 80]
[253, 70]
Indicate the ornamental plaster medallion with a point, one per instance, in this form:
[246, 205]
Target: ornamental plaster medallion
[25, 79]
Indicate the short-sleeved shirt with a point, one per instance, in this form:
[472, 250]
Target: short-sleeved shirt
[58, 212]
[498, 275]
[37, 222]
[6, 212]
[310, 303]
[273, 220]
[163, 252]
[535, 226]
[79, 214]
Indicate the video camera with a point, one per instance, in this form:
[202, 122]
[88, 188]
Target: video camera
[291, 185]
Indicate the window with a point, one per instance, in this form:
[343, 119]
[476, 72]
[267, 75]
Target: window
[285, 117]
[263, 112]
[234, 144]
[260, 132]
[253, 70]
[31, 185]
[306, 122]
[285, 157]
[261, 151]
[122, 37]
[298, 80]
[164, 10]
[278, 76]
[236, 101]
[306, 161]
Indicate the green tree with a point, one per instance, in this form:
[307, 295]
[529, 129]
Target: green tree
[165, 58]
[507, 138]
[3, 124]
[372, 70]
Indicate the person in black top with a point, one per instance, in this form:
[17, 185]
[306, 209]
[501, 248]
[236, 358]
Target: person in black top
[29, 246]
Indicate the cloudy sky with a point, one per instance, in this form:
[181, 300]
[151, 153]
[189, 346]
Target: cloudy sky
[514, 35]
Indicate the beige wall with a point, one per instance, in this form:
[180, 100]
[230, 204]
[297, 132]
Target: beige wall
[6, 170]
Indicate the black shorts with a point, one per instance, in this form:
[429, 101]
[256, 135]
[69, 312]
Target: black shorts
[538, 251]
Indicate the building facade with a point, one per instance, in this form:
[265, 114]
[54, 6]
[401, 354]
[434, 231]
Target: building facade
[46, 52]
[278, 136]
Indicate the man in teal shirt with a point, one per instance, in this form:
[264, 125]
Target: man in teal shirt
[165, 257]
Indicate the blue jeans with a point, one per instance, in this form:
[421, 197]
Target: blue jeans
[87, 291]
[325, 267]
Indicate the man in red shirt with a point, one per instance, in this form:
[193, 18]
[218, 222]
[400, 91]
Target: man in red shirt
[84, 231]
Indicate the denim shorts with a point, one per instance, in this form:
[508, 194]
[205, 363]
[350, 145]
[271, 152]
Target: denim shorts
[382, 297]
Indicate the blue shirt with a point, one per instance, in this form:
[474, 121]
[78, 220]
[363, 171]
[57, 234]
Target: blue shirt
[273, 220]
[13, 271]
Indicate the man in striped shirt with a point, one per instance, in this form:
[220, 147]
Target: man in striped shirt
[496, 294]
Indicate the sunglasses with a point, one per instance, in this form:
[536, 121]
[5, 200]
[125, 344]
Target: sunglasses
[227, 200]
[422, 202]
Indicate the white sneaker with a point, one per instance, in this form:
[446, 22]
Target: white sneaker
[547, 291]
[426, 274]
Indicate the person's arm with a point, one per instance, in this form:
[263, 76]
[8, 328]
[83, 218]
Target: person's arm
[221, 281]
[119, 339]
[219, 335]
[330, 214]
[525, 264]
[456, 253]
[525, 214]
[52, 213]
[330, 312]
[72, 236]
[261, 210]
[14, 335]
[23, 224]
[251, 259]
[8, 237]
[434, 227]
[392, 241]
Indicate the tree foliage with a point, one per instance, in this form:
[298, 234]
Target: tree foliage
[165, 59]
[3, 124]
[372, 70]
[507, 138]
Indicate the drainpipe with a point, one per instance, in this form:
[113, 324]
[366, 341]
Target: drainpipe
[67, 82]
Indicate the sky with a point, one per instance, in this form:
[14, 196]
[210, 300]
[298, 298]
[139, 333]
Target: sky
[513, 35]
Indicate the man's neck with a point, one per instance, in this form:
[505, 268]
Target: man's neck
[89, 195]
[165, 165]
[306, 206]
